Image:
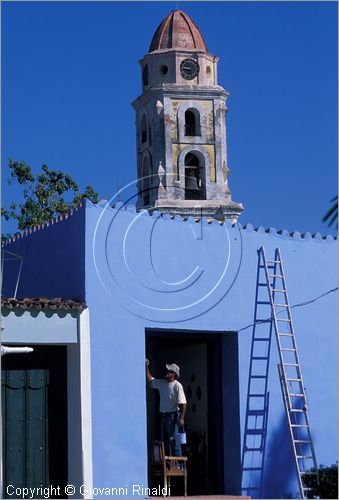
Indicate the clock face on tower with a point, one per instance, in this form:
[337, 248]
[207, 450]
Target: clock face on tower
[189, 68]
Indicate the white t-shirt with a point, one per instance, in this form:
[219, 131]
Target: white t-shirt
[171, 394]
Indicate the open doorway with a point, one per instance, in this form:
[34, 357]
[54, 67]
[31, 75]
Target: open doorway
[209, 374]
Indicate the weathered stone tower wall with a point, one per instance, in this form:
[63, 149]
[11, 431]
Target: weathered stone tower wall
[181, 127]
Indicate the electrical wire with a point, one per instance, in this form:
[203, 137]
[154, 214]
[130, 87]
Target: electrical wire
[301, 304]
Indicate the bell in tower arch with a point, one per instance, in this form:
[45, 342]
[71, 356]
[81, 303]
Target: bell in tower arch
[192, 182]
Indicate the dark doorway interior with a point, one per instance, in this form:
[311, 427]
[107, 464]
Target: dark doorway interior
[34, 417]
[209, 374]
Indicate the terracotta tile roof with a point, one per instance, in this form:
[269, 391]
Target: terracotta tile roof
[178, 31]
[43, 303]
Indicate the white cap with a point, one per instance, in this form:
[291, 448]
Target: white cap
[174, 368]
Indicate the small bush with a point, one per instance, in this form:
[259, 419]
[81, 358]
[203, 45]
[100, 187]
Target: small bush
[328, 482]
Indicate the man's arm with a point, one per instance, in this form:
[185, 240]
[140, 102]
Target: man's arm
[182, 403]
[182, 409]
[148, 373]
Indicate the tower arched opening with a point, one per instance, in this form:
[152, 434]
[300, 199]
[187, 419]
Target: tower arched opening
[143, 129]
[146, 182]
[195, 177]
[192, 122]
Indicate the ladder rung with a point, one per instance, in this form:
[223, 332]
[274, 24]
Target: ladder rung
[289, 349]
[280, 305]
[253, 449]
[297, 410]
[260, 357]
[299, 425]
[293, 379]
[308, 472]
[278, 290]
[263, 302]
[297, 395]
[256, 412]
[304, 457]
[261, 340]
[258, 376]
[262, 284]
[251, 468]
[275, 275]
[257, 395]
[254, 431]
[302, 441]
[285, 334]
[283, 319]
[273, 261]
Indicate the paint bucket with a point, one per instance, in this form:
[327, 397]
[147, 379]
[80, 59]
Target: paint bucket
[182, 436]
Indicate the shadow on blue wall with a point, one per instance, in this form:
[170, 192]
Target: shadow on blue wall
[53, 261]
[257, 406]
[280, 468]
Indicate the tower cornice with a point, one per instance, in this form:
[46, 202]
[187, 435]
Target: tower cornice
[181, 92]
[182, 52]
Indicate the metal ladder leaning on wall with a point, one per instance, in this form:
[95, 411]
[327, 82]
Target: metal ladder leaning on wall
[290, 375]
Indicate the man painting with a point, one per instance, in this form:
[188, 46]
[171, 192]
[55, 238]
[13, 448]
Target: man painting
[172, 406]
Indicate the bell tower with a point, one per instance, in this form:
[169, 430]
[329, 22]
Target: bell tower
[181, 126]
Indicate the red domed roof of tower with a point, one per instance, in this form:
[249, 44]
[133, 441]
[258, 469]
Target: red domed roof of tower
[178, 31]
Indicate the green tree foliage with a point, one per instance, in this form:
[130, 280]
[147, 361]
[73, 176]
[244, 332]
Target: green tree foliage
[332, 215]
[43, 195]
[328, 482]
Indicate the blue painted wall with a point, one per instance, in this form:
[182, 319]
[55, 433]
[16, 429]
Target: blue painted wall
[39, 327]
[137, 271]
[148, 272]
[54, 260]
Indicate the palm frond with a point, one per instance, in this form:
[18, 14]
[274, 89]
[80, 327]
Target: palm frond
[332, 214]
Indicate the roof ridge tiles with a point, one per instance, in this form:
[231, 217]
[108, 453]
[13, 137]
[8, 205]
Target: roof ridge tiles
[248, 227]
[131, 208]
[57, 303]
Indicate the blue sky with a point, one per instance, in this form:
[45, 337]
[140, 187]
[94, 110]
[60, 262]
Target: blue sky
[70, 71]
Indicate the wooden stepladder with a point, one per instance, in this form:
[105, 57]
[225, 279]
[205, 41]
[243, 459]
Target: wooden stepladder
[289, 369]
